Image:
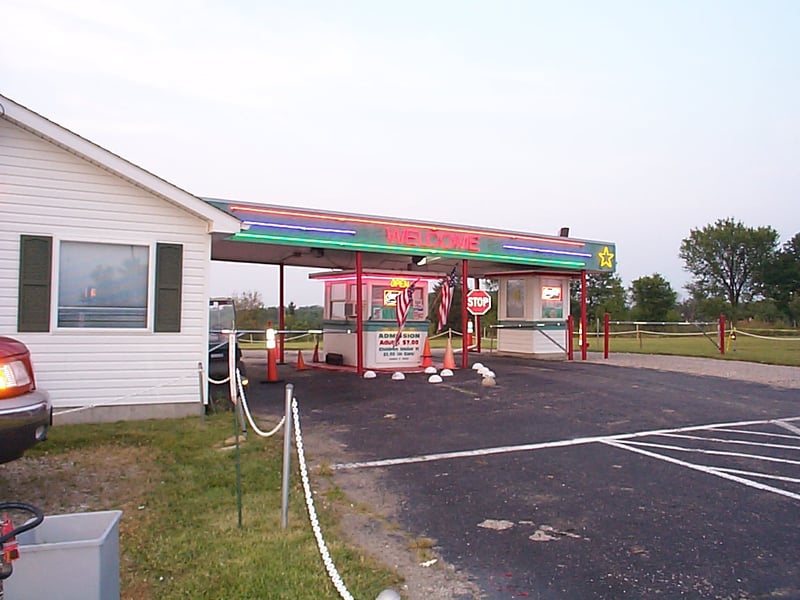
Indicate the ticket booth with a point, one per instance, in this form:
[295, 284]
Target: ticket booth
[532, 314]
[383, 347]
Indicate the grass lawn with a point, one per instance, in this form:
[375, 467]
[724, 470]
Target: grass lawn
[752, 349]
[180, 535]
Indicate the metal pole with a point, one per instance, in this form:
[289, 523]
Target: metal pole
[606, 335]
[287, 449]
[203, 389]
[722, 334]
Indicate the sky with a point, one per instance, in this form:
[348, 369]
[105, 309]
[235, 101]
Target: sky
[632, 122]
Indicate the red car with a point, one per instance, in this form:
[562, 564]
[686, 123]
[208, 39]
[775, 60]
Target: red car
[25, 412]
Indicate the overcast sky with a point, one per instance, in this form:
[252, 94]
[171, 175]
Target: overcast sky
[628, 121]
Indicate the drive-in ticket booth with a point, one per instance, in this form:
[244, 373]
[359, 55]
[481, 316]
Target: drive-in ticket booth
[532, 313]
[379, 326]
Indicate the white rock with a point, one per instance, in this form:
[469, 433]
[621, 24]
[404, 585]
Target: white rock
[430, 370]
[398, 376]
[434, 379]
[446, 373]
[369, 375]
[477, 366]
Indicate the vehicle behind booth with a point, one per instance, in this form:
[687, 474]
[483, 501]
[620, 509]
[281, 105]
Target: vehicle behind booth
[221, 320]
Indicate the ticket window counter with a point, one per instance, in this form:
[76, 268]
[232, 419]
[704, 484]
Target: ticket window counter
[532, 315]
[379, 325]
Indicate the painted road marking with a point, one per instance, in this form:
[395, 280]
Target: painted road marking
[724, 441]
[407, 460]
[629, 442]
[789, 426]
[715, 452]
[704, 469]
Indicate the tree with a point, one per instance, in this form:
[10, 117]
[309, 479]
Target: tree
[782, 279]
[728, 259]
[604, 294]
[652, 297]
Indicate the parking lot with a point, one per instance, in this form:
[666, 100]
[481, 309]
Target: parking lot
[572, 479]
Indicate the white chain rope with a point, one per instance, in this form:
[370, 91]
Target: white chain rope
[250, 420]
[312, 513]
[768, 337]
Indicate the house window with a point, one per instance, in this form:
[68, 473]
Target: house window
[103, 285]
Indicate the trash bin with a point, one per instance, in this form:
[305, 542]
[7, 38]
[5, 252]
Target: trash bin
[70, 557]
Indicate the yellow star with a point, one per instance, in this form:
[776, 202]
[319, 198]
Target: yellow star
[606, 258]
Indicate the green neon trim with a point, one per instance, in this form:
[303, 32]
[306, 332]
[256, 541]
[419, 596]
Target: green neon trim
[394, 250]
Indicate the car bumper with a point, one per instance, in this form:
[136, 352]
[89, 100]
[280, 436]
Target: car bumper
[24, 421]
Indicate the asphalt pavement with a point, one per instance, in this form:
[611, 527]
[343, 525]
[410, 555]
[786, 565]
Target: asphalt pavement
[575, 479]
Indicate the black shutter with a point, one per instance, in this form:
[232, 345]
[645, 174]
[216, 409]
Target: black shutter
[169, 280]
[35, 268]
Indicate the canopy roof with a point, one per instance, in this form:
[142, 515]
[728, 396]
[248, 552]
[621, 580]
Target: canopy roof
[330, 240]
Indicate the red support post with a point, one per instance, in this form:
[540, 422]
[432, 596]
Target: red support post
[477, 283]
[606, 331]
[583, 316]
[281, 313]
[359, 316]
[570, 342]
[464, 313]
[722, 334]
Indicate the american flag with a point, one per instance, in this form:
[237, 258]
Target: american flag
[405, 300]
[448, 283]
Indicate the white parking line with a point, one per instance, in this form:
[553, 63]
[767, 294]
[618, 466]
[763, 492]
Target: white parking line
[704, 469]
[789, 426]
[390, 462]
[715, 452]
[751, 432]
[724, 441]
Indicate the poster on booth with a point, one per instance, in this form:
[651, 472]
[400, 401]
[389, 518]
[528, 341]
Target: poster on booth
[407, 351]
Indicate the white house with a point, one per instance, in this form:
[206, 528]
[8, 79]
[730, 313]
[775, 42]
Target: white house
[104, 272]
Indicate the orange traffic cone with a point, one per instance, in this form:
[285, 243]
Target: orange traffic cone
[301, 363]
[315, 357]
[272, 367]
[449, 359]
[427, 357]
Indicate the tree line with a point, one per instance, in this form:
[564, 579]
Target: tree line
[738, 271]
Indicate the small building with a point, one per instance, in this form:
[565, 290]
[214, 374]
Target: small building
[104, 273]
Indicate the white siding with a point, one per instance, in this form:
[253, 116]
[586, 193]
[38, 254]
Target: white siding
[47, 190]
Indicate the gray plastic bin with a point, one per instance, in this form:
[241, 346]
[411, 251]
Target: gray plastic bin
[69, 557]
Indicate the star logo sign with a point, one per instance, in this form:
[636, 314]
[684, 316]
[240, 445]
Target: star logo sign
[606, 258]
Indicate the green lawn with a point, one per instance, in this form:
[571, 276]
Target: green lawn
[768, 351]
[180, 535]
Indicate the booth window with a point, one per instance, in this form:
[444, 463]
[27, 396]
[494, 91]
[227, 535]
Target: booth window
[102, 285]
[343, 301]
[515, 299]
[552, 299]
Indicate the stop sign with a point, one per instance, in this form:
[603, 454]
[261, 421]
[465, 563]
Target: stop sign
[478, 302]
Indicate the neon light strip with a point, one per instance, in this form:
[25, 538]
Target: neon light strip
[369, 221]
[393, 249]
[546, 251]
[301, 228]
[351, 277]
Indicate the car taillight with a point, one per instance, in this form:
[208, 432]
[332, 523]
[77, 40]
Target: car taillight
[13, 375]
